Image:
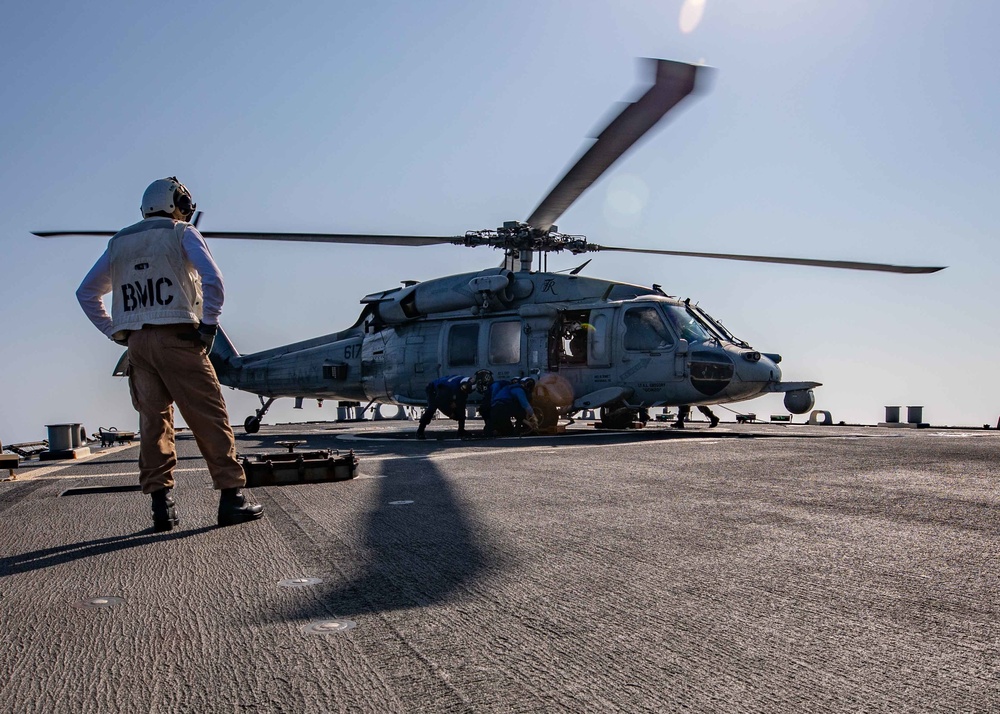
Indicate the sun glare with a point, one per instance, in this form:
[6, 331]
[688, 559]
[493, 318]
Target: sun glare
[626, 198]
[691, 12]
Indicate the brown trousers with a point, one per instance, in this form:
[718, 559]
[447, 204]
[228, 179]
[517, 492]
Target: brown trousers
[166, 368]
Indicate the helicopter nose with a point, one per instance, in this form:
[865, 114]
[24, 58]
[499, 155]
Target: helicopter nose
[711, 371]
[758, 368]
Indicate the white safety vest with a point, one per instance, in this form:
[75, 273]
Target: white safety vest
[154, 284]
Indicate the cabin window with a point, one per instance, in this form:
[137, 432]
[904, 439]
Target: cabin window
[645, 330]
[599, 338]
[463, 341]
[505, 342]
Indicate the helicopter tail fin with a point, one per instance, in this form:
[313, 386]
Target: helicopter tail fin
[224, 356]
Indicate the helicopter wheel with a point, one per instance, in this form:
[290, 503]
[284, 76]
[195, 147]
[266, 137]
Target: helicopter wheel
[251, 425]
[547, 416]
[617, 417]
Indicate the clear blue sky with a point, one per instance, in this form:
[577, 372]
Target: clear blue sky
[840, 129]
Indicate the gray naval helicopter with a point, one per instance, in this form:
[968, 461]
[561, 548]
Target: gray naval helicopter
[591, 344]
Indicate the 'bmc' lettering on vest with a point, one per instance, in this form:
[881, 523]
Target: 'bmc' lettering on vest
[135, 295]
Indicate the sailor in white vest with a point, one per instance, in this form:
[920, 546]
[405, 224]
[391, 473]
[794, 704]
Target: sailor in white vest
[167, 298]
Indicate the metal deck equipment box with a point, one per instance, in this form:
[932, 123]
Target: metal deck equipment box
[303, 467]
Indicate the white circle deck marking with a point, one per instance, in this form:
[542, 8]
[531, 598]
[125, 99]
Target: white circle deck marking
[327, 627]
[100, 602]
[299, 582]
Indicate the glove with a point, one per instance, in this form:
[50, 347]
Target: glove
[532, 421]
[121, 337]
[206, 333]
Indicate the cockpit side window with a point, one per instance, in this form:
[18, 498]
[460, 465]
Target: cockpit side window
[645, 330]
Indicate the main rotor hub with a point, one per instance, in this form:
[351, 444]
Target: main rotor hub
[515, 237]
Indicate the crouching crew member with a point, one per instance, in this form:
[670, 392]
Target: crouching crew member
[491, 391]
[510, 401]
[168, 296]
[449, 395]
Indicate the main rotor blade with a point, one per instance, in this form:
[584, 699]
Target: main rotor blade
[299, 237]
[844, 264]
[672, 82]
[60, 234]
[337, 238]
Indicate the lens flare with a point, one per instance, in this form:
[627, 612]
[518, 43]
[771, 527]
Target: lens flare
[626, 198]
[691, 14]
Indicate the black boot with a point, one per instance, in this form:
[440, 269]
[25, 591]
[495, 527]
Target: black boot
[233, 508]
[164, 510]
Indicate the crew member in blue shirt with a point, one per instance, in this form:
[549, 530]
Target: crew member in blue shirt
[510, 401]
[488, 395]
[449, 395]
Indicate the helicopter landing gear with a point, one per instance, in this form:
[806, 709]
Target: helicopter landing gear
[619, 416]
[252, 423]
[547, 416]
[616, 417]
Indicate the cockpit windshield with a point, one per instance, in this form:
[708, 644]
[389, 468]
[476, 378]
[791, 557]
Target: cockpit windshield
[688, 324]
[717, 326]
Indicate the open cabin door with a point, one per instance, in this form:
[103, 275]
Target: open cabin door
[580, 348]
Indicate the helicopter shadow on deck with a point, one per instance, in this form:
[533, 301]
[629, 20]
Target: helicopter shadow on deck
[578, 435]
[420, 546]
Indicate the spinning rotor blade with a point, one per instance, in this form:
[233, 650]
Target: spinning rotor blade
[845, 264]
[673, 81]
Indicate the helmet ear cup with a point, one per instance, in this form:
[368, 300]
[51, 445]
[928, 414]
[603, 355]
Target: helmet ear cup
[183, 203]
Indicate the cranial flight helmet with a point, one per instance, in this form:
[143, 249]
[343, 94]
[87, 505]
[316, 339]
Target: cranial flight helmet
[164, 195]
[484, 378]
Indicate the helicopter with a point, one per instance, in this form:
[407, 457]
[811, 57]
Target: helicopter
[590, 343]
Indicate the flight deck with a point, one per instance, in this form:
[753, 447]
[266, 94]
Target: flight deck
[749, 568]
